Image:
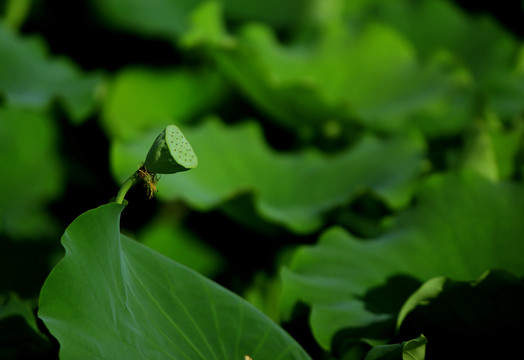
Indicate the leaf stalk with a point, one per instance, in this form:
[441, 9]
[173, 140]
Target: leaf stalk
[128, 184]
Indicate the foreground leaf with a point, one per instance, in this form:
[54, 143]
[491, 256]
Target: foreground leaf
[113, 298]
[463, 225]
[292, 189]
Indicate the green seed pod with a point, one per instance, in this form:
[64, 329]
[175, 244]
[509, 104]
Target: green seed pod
[170, 153]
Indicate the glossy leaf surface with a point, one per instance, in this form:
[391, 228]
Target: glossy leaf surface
[111, 297]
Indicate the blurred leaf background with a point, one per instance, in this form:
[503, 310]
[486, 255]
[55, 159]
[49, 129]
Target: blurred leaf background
[346, 149]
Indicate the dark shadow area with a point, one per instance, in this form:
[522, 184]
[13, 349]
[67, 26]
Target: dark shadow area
[509, 13]
[298, 327]
[73, 29]
[471, 321]
[24, 265]
[88, 183]
[349, 340]
[363, 217]
[387, 299]
[247, 242]
[439, 159]
[390, 297]
[19, 341]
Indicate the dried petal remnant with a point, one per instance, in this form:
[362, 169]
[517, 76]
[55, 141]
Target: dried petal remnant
[150, 180]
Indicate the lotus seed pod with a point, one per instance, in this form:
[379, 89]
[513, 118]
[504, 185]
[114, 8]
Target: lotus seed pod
[170, 153]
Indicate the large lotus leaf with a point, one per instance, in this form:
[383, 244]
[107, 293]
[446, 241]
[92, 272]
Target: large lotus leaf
[462, 226]
[492, 150]
[30, 78]
[140, 99]
[293, 189]
[371, 74]
[113, 298]
[31, 175]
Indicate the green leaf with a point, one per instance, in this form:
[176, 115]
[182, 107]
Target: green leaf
[381, 83]
[414, 349]
[506, 145]
[491, 150]
[31, 175]
[207, 27]
[292, 189]
[462, 226]
[433, 25]
[429, 290]
[479, 154]
[139, 99]
[478, 44]
[15, 12]
[113, 298]
[263, 293]
[30, 78]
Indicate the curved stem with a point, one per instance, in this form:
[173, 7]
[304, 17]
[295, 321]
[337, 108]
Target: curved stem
[128, 184]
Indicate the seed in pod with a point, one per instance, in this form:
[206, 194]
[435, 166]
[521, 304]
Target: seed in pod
[170, 153]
